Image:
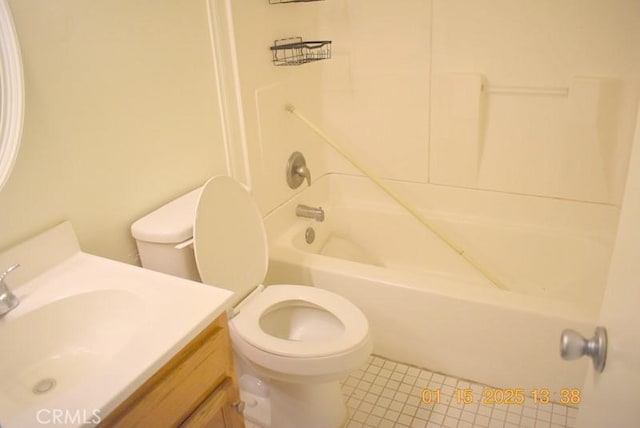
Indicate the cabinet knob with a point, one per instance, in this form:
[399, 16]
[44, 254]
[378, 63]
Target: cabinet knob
[238, 405]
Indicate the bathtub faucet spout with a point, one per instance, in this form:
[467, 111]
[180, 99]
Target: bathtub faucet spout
[310, 212]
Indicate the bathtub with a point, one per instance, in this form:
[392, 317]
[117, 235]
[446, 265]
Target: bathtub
[429, 308]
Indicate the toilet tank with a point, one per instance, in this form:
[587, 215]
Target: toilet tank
[164, 237]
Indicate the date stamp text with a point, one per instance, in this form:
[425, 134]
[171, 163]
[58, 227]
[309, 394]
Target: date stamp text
[494, 396]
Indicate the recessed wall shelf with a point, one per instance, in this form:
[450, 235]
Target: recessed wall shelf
[295, 51]
[290, 1]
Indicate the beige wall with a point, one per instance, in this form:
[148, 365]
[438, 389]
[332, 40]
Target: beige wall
[121, 116]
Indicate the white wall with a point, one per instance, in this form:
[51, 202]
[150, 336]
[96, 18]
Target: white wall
[410, 91]
[121, 116]
[122, 110]
[376, 98]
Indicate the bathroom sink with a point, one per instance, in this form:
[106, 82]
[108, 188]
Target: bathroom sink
[57, 344]
[89, 331]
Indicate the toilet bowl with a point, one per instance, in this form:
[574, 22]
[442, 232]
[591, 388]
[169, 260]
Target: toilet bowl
[301, 341]
[301, 334]
[296, 341]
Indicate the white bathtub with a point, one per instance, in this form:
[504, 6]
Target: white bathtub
[428, 307]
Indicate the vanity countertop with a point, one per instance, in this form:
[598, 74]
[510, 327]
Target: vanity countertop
[89, 330]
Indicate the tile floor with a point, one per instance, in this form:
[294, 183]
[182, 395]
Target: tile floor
[385, 393]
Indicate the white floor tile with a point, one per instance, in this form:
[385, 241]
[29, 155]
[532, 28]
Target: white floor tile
[385, 393]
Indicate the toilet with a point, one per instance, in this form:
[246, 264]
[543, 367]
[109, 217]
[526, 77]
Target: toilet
[292, 343]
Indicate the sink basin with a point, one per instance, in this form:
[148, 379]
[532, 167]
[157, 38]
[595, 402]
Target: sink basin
[89, 331]
[59, 343]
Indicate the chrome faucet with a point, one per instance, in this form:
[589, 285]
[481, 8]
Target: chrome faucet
[310, 212]
[8, 300]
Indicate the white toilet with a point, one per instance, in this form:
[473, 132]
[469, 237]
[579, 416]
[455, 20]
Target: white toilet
[293, 344]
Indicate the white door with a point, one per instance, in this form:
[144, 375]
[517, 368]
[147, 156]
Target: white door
[612, 398]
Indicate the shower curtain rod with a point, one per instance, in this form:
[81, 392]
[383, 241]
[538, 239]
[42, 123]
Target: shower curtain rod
[404, 204]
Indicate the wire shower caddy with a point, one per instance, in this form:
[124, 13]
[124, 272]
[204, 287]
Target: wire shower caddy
[295, 51]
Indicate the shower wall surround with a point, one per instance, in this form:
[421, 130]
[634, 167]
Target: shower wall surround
[534, 98]
[271, 134]
[548, 92]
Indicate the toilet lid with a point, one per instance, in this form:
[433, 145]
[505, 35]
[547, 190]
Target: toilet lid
[229, 239]
[246, 324]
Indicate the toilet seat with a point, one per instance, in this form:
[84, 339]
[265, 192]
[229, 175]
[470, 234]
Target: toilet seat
[247, 322]
[229, 239]
[230, 246]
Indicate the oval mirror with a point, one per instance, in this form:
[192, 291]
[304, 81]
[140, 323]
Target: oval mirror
[11, 93]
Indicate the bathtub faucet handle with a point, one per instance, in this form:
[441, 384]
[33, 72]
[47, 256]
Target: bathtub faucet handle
[297, 170]
[304, 172]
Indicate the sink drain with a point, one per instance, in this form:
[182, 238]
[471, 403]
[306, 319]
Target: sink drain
[44, 386]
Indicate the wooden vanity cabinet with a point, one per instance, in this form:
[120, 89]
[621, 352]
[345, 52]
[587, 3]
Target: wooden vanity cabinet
[196, 388]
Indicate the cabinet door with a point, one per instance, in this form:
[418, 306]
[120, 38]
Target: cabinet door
[217, 410]
[179, 388]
